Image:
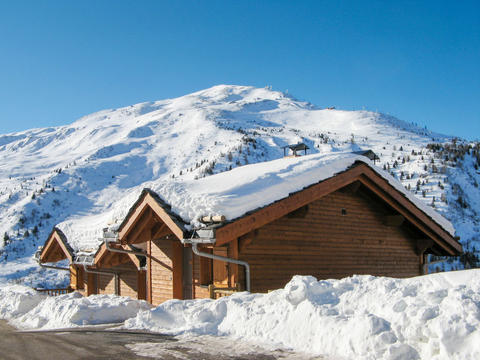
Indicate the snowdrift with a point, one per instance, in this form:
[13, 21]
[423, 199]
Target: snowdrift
[25, 308]
[361, 317]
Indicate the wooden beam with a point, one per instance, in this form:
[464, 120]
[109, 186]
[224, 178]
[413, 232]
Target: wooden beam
[53, 243]
[141, 285]
[133, 218]
[149, 271]
[162, 214]
[177, 267]
[233, 254]
[160, 232]
[245, 240]
[103, 251]
[91, 288]
[422, 245]
[411, 213]
[133, 258]
[138, 227]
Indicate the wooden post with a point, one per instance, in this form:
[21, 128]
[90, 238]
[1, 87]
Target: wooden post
[142, 285]
[149, 271]
[177, 269]
[90, 284]
[211, 292]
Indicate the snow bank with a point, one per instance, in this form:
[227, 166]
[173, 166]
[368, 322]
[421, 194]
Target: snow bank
[361, 317]
[16, 300]
[26, 308]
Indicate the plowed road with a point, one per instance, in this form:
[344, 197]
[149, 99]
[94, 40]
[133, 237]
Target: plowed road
[102, 343]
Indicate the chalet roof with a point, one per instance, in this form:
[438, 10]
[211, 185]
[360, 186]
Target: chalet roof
[232, 194]
[368, 153]
[296, 147]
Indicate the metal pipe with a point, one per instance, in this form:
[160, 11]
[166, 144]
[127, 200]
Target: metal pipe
[226, 259]
[53, 267]
[104, 272]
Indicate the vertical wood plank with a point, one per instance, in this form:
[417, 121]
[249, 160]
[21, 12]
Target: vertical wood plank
[149, 271]
[142, 285]
[177, 269]
[220, 268]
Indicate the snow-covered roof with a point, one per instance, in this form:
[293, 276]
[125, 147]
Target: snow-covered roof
[233, 194]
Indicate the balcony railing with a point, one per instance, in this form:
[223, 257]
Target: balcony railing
[55, 292]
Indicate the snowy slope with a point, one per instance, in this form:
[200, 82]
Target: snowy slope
[231, 194]
[51, 175]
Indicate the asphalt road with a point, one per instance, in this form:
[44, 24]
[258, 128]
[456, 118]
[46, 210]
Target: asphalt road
[61, 345]
[102, 343]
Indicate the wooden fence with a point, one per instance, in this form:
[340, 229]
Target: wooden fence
[218, 292]
[55, 292]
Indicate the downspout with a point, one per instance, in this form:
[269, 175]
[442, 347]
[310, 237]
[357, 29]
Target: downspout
[104, 272]
[222, 258]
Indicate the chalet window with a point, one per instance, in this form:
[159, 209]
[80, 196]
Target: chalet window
[344, 211]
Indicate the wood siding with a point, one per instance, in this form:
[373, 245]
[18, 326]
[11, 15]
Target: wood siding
[161, 271]
[128, 280]
[105, 284]
[199, 291]
[326, 244]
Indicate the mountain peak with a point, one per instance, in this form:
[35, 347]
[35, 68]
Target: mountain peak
[112, 153]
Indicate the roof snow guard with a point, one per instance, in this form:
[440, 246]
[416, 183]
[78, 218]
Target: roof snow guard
[87, 260]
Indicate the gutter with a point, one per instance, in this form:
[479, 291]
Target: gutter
[196, 241]
[53, 267]
[36, 256]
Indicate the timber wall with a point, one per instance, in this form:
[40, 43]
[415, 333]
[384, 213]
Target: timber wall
[105, 284]
[161, 271]
[327, 244]
[128, 280]
[199, 291]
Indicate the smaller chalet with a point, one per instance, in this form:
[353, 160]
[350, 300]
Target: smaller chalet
[253, 228]
[295, 149]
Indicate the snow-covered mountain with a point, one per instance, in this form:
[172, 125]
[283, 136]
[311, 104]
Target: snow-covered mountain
[49, 175]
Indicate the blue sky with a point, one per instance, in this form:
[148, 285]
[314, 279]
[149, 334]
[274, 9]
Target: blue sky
[417, 60]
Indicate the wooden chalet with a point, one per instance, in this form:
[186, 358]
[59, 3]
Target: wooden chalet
[355, 222]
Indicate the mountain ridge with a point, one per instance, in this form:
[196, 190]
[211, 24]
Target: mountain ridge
[51, 174]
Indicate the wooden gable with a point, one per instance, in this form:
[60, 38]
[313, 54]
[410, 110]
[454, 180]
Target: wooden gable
[360, 173]
[151, 214]
[56, 248]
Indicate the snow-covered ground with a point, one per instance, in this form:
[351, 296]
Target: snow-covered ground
[74, 174]
[26, 308]
[361, 317]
